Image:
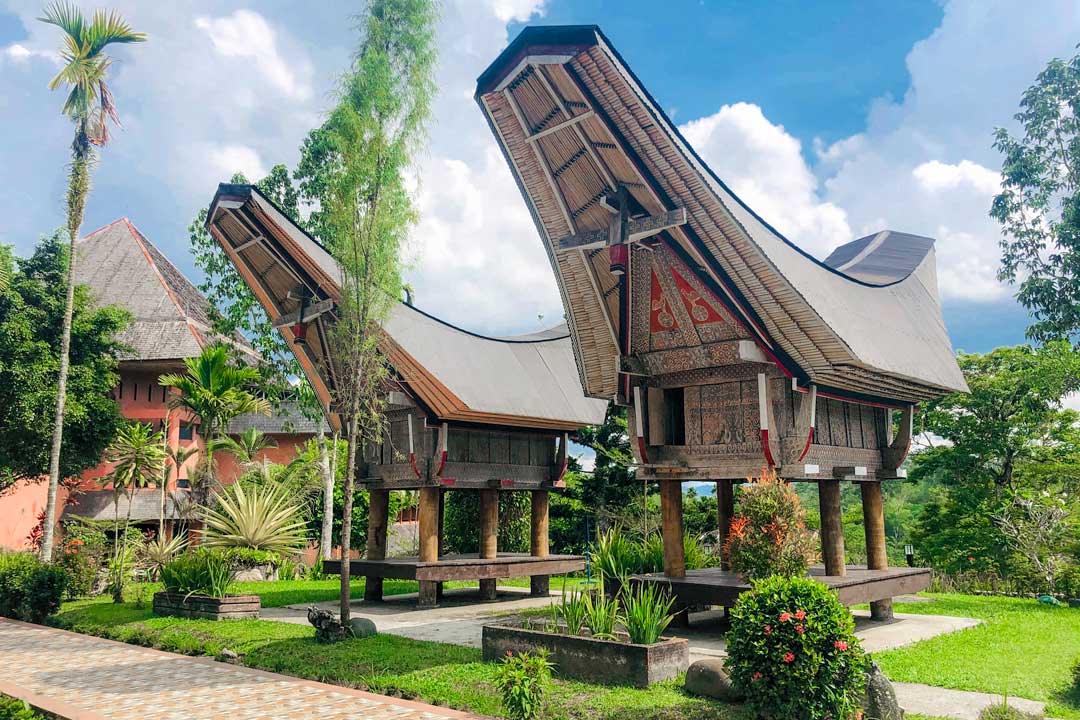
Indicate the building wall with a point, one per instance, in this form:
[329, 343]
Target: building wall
[20, 507]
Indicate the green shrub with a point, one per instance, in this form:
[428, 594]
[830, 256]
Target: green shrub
[614, 555]
[768, 536]
[572, 610]
[203, 572]
[646, 612]
[792, 652]
[522, 679]
[81, 568]
[1076, 676]
[13, 709]
[30, 590]
[601, 615]
[461, 523]
[245, 557]
[1005, 712]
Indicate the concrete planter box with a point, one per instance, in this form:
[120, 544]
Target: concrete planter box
[610, 662]
[203, 607]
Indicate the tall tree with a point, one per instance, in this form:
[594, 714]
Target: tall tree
[365, 211]
[31, 324]
[90, 107]
[215, 391]
[1039, 203]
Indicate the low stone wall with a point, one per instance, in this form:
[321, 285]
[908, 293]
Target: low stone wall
[202, 607]
[582, 658]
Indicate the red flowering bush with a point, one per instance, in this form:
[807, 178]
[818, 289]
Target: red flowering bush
[768, 536]
[793, 653]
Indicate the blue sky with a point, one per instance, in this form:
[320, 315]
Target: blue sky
[833, 120]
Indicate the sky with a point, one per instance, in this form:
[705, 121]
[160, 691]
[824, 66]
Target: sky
[833, 120]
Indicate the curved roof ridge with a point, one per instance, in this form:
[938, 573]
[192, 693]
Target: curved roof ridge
[522, 339]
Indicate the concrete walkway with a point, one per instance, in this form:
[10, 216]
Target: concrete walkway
[942, 702]
[79, 677]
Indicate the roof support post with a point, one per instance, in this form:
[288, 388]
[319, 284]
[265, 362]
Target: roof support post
[428, 523]
[378, 522]
[671, 528]
[832, 528]
[877, 557]
[725, 513]
[539, 540]
[489, 536]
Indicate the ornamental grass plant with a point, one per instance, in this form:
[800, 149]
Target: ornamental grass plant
[646, 612]
[793, 653]
[768, 534]
[203, 572]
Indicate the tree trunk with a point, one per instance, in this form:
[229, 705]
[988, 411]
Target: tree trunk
[78, 186]
[346, 518]
[327, 538]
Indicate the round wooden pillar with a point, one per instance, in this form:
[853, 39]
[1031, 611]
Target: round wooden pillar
[671, 528]
[428, 525]
[725, 512]
[877, 555]
[378, 522]
[832, 528]
[489, 536]
[539, 538]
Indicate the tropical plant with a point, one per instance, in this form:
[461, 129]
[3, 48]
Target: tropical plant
[15, 709]
[462, 517]
[572, 609]
[89, 105]
[523, 678]
[246, 446]
[768, 535]
[30, 590]
[203, 572]
[138, 461]
[160, 551]
[614, 555]
[646, 612]
[175, 457]
[793, 653]
[260, 517]
[601, 615]
[215, 391]
[354, 168]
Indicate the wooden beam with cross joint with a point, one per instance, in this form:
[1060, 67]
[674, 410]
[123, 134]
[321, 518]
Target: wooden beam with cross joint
[622, 230]
[311, 312]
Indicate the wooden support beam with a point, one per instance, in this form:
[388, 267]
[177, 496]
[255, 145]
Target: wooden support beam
[635, 231]
[539, 541]
[489, 536]
[310, 313]
[561, 126]
[428, 524]
[725, 511]
[896, 452]
[671, 528]
[832, 528]
[877, 556]
[378, 522]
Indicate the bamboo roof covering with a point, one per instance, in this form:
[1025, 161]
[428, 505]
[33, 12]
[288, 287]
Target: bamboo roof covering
[575, 124]
[528, 381]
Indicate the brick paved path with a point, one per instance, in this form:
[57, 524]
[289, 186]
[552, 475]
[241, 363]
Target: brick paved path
[86, 678]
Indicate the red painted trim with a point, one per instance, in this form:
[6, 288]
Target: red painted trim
[442, 464]
[559, 484]
[447, 481]
[809, 439]
[412, 461]
[562, 472]
[644, 456]
[766, 449]
[506, 483]
[907, 449]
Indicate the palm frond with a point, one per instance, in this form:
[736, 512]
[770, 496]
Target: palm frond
[106, 28]
[67, 17]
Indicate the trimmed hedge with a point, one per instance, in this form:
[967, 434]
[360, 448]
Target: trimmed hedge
[30, 590]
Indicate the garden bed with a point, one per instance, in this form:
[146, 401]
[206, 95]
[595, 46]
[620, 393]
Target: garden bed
[204, 607]
[610, 662]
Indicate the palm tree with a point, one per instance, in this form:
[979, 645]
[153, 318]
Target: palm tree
[138, 462]
[176, 457]
[90, 106]
[245, 446]
[215, 392]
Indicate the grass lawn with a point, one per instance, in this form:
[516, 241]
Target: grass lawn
[1023, 648]
[442, 674]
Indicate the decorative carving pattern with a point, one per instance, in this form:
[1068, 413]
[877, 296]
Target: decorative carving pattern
[701, 312]
[661, 319]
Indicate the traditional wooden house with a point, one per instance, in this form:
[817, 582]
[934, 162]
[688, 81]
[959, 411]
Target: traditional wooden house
[733, 348]
[466, 412]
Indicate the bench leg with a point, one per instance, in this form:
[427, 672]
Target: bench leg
[373, 589]
[428, 594]
[487, 589]
[540, 585]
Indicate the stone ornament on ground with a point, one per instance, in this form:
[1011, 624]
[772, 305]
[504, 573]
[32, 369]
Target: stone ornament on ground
[880, 702]
[362, 627]
[708, 678]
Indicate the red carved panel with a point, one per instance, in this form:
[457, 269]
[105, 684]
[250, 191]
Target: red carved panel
[701, 312]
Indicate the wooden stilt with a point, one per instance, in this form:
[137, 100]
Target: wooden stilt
[442, 537]
[725, 511]
[378, 521]
[877, 556]
[671, 519]
[428, 523]
[539, 542]
[489, 536]
[832, 528]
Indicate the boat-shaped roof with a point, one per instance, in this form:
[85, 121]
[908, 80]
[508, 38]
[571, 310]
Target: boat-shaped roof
[527, 381]
[575, 124]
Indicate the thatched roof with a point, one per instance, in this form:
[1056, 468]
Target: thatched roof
[170, 317]
[454, 374]
[575, 124]
[145, 505]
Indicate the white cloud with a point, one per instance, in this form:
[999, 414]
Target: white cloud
[246, 34]
[19, 53]
[225, 160]
[519, 10]
[936, 176]
[764, 166]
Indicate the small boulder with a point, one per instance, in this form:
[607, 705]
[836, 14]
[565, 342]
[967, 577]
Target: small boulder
[880, 701]
[227, 655]
[707, 677]
[362, 627]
